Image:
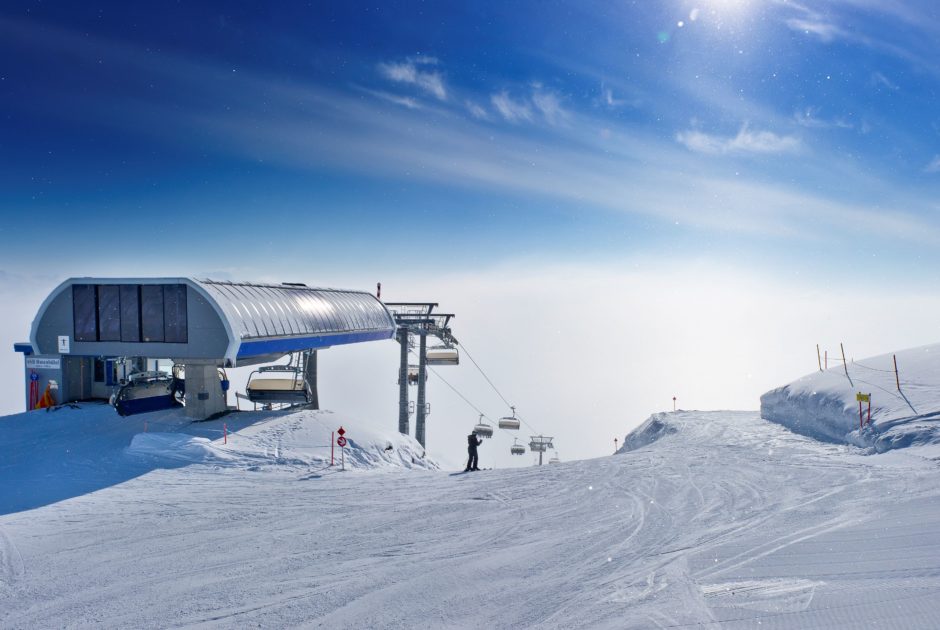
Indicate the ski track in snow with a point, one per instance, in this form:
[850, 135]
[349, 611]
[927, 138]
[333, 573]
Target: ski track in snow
[727, 521]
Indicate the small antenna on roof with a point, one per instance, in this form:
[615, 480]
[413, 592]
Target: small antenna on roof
[378, 290]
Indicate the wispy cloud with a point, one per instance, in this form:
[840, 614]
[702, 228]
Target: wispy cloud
[542, 102]
[809, 118]
[511, 109]
[746, 141]
[549, 105]
[879, 79]
[816, 26]
[411, 72]
[934, 165]
[404, 101]
[477, 111]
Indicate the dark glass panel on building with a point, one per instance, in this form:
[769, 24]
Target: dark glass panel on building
[151, 308]
[109, 312]
[130, 312]
[84, 312]
[174, 313]
[99, 370]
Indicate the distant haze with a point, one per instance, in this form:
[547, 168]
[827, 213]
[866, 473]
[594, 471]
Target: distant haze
[584, 352]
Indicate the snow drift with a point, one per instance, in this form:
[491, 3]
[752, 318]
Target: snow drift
[50, 456]
[823, 405]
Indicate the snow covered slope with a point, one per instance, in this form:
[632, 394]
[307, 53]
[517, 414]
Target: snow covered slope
[712, 520]
[49, 456]
[823, 404]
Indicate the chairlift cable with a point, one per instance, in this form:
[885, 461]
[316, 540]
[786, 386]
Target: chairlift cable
[466, 400]
[477, 365]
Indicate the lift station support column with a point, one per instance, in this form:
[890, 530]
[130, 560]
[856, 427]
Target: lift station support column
[310, 375]
[403, 382]
[422, 374]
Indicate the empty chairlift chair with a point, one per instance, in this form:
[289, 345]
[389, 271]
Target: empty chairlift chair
[483, 429]
[554, 459]
[278, 384]
[443, 355]
[516, 448]
[510, 422]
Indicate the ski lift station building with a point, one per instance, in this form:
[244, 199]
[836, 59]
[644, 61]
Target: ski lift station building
[87, 325]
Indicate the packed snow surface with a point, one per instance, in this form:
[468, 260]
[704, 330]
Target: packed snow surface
[706, 520]
[824, 405]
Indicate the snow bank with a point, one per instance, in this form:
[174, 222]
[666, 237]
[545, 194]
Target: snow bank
[49, 456]
[655, 427]
[823, 405]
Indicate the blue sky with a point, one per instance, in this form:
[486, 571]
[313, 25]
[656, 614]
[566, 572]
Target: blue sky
[717, 185]
[758, 132]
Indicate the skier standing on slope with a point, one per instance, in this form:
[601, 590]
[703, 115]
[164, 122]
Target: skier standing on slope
[472, 443]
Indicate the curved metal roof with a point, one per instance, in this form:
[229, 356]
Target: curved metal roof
[270, 318]
[254, 322]
[277, 310]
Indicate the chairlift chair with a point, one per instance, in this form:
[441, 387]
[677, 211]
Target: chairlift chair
[442, 355]
[510, 422]
[146, 391]
[483, 429]
[554, 459]
[412, 375]
[516, 448]
[278, 384]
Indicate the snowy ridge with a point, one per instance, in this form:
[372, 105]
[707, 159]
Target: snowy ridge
[823, 405]
[91, 447]
[288, 439]
[655, 427]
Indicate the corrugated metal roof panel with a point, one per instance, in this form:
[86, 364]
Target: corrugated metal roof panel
[258, 311]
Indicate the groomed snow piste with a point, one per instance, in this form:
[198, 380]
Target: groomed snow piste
[703, 520]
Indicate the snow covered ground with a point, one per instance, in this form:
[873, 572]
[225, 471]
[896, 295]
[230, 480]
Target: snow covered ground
[705, 520]
[823, 404]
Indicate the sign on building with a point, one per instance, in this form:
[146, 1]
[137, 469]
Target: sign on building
[43, 363]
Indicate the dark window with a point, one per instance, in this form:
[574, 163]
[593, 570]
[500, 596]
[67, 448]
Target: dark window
[174, 313]
[130, 312]
[84, 312]
[151, 308]
[109, 312]
[99, 370]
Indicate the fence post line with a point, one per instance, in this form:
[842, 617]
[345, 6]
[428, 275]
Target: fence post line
[844, 364]
[897, 379]
[818, 358]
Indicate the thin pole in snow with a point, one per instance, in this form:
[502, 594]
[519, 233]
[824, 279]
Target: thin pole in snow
[818, 358]
[897, 379]
[615, 445]
[844, 364]
[332, 446]
[673, 403]
[224, 433]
